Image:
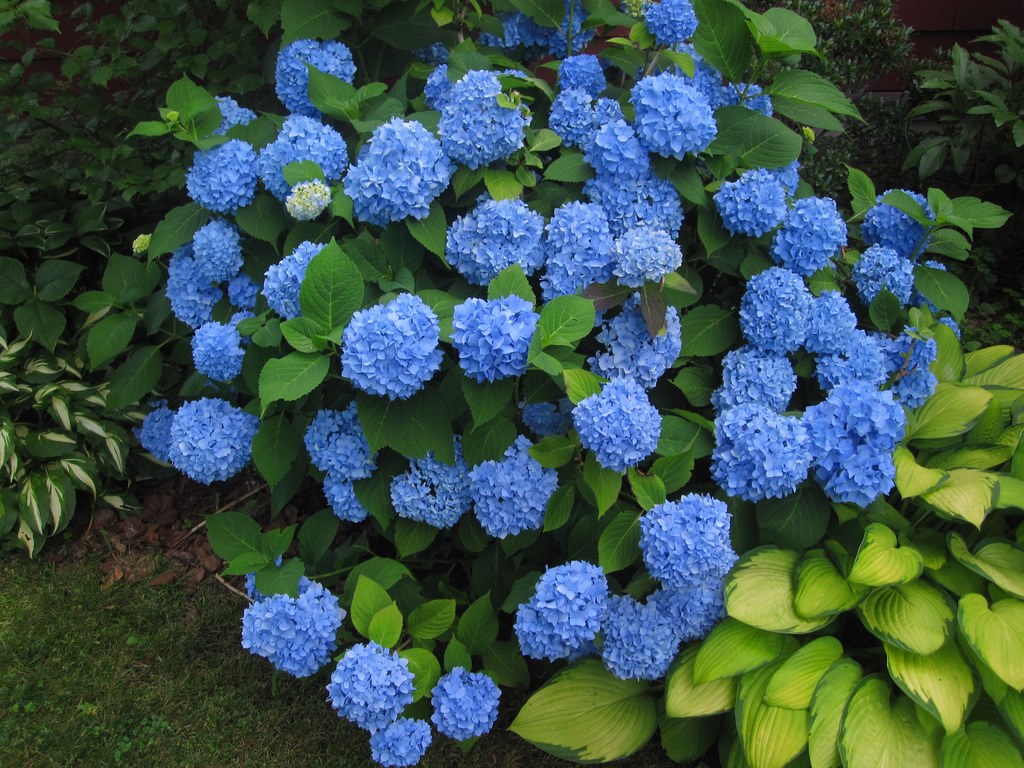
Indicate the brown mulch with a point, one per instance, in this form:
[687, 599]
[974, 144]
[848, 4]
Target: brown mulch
[165, 541]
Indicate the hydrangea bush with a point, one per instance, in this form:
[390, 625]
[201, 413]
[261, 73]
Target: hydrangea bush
[589, 380]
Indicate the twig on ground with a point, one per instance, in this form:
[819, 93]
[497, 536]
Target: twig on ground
[228, 587]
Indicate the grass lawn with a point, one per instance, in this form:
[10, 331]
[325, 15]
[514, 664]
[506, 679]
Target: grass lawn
[136, 675]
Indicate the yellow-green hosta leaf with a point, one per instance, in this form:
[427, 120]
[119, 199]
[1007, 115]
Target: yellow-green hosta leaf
[1011, 707]
[879, 731]
[733, 648]
[880, 561]
[771, 736]
[1010, 492]
[940, 682]
[980, 745]
[916, 616]
[950, 411]
[685, 740]
[972, 457]
[1008, 373]
[820, 589]
[759, 591]
[966, 495]
[987, 358]
[827, 705]
[997, 560]
[588, 715]
[996, 634]
[911, 478]
[793, 683]
[685, 698]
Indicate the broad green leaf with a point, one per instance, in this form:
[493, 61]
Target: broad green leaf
[780, 32]
[431, 232]
[386, 626]
[771, 736]
[263, 219]
[280, 579]
[413, 427]
[733, 648]
[911, 478]
[862, 190]
[916, 617]
[55, 278]
[685, 740]
[754, 140]
[368, 598]
[332, 289]
[952, 410]
[722, 37]
[554, 451]
[884, 310]
[793, 682]
[14, 285]
[966, 495]
[488, 442]
[943, 289]
[759, 591]
[570, 166]
[686, 698]
[43, 322]
[316, 535]
[478, 626]
[879, 732]
[986, 359]
[708, 330]
[820, 589]
[996, 634]
[232, 534]
[674, 471]
[559, 507]
[290, 377]
[316, 19]
[511, 281]
[619, 544]
[274, 449]
[586, 714]
[176, 229]
[581, 384]
[135, 378]
[431, 619]
[504, 663]
[648, 490]
[827, 704]
[487, 399]
[997, 560]
[547, 13]
[109, 338]
[412, 536]
[502, 185]
[940, 682]
[426, 670]
[980, 745]
[797, 521]
[456, 655]
[800, 88]
[1008, 373]
[880, 561]
[605, 484]
[565, 320]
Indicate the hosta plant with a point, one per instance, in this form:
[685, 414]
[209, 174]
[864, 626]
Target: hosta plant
[557, 355]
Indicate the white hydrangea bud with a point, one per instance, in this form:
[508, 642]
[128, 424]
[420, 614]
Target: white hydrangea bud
[308, 199]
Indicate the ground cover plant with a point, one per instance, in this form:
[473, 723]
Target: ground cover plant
[592, 382]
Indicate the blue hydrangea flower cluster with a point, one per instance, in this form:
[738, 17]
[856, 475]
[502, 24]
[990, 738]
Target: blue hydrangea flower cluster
[295, 634]
[232, 114]
[283, 282]
[693, 612]
[671, 22]
[909, 362]
[582, 73]
[749, 95]
[565, 613]
[302, 138]
[400, 744]
[888, 226]
[616, 150]
[243, 292]
[211, 439]
[685, 543]
[636, 197]
[475, 129]
[511, 495]
[217, 248]
[618, 424]
[860, 357]
[788, 176]
[217, 351]
[853, 434]
[342, 499]
[750, 375]
[629, 349]
[811, 234]
[223, 179]
[706, 78]
[546, 419]
[435, 53]
[520, 30]
[774, 311]
[572, 118]
[292, 75]
[753, 204]
[438, 88]
[400, 171]
[391, 349]
[337, 446]
[370, 686]
[433, 492]
[579, 249]
[155, 431]
[673, 118]
[830, 323]
[637, 641]
[758, 453]
[880, 268]
[307, 200]
[645, 253]
[191, 295]
[465, 704]
[495, 235]
[493, 337]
